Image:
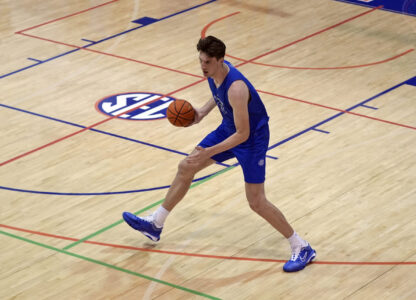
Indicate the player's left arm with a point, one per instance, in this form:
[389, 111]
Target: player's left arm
[238, 95]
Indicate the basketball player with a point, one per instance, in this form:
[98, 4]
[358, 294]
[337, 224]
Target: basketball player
[244, 134]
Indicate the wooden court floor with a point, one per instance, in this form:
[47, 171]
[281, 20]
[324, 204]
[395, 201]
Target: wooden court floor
[339, 83]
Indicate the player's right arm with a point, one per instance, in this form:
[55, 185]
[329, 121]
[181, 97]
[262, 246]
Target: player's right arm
[201, 112]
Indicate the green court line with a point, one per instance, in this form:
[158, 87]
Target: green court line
[143, 210]
[110, 266]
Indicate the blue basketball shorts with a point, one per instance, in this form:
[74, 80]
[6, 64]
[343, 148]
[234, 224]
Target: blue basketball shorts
[251, 154]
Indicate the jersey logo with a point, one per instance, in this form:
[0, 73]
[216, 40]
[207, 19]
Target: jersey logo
[150, 106]
[220, 104]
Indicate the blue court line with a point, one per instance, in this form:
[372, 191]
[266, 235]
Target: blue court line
[34, 59]
[272, 157]
[100, 194]
[89, 41]
[106, 39]
[320, 130]
[337, 115]
[101, 131]
[370, 107]
[34, 65]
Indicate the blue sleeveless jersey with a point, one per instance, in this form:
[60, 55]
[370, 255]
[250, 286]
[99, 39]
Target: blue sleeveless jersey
[256, 110]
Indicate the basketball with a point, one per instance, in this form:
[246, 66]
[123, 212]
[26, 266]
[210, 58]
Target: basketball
[180, 113]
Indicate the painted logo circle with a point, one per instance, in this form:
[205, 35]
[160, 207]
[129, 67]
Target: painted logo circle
[140, 106]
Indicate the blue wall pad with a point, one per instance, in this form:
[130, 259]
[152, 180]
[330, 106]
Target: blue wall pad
[406, 7]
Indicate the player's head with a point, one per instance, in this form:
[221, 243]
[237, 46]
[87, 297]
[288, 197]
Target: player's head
[211, 54]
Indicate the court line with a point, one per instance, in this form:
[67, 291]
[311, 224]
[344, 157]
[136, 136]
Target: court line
[348, 111]
[337, 115]
[102, 193]
[38, 63]
[102, 263]
[311, 35]
[328, 68]
[239, 258]
[206, 27]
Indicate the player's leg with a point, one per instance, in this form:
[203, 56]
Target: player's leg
[253, 163]
[258, 202]
[183, 179]
[302, 253]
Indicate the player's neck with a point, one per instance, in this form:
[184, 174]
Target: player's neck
[221, 74]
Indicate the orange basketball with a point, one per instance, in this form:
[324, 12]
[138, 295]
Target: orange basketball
[180, 113]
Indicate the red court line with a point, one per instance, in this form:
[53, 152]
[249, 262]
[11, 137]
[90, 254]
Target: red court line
[337, 109]
[311, 35]
[326, 68]
[239, 258]
[204, 30]
[61, 18]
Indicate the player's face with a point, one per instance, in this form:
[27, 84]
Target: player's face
[209, 65]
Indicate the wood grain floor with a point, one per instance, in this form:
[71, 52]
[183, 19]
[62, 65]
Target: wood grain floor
[339, 84]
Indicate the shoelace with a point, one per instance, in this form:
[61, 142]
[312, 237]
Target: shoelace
[295, 254]
[148, 218]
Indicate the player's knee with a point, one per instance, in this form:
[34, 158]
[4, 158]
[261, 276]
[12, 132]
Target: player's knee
[257, 204]
[186, 169]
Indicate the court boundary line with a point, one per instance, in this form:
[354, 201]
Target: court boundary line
[111, 266]
[201, 255]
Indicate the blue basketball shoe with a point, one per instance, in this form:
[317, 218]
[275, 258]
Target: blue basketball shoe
[299, 261]
[144, 225]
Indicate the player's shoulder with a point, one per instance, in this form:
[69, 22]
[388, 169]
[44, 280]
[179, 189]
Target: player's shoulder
[237, 89]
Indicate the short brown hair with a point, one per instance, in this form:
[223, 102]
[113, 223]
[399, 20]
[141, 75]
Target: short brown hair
[212, 46]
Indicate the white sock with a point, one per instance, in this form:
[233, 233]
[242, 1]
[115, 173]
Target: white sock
[296, 242]
[159, 216]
